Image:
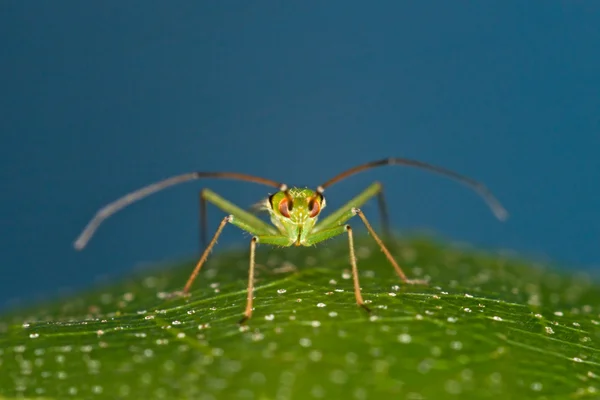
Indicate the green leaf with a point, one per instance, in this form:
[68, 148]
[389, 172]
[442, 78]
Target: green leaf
[488, 326]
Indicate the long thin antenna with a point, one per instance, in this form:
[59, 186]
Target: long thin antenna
[495, 205]
[139, 194]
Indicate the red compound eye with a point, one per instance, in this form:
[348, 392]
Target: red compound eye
[284, 207]
[314, 207]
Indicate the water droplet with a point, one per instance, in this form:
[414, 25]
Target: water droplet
[333, 314]
[321, 305]
[452, 386]
[281, 291]
[34, 335]
[536, 386]
[456, 345]
[315, 355]
[338, 377]
[270, 317]
[404, 338]
[305, 342]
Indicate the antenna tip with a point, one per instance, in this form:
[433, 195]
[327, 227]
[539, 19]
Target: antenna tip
[79, 244]
[501, 214]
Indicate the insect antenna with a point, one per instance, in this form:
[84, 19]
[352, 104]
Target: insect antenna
[495, 205]
[145, 191]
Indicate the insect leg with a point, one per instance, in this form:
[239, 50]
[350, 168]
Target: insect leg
[204, 256]
[387, 253]
[203, 223]
[383, 213]
[242, 222]
[276, 240]
[335, 231]
[340, 216]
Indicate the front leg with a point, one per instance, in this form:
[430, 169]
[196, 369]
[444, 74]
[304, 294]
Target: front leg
[335, 231]
[247, 218]
[342, 219]
[276, 240]
[374, 190]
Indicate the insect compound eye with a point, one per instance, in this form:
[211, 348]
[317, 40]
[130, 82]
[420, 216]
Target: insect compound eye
[314, 207]
[284, 207]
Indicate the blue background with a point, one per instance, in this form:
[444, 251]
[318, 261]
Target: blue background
[101, 98]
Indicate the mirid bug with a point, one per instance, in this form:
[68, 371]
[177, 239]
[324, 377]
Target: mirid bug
[294, 213]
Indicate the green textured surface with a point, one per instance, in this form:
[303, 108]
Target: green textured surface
[488, 326]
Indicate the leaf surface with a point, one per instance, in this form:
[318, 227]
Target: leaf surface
[487, 326]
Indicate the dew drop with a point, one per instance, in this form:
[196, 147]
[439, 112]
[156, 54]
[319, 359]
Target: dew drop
[315, 355]
[536, 386]
[404, 338]
[456, 345]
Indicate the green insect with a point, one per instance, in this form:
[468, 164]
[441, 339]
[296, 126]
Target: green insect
[294, 213]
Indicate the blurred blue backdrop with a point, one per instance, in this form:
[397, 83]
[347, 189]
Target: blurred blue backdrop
[102, 98]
